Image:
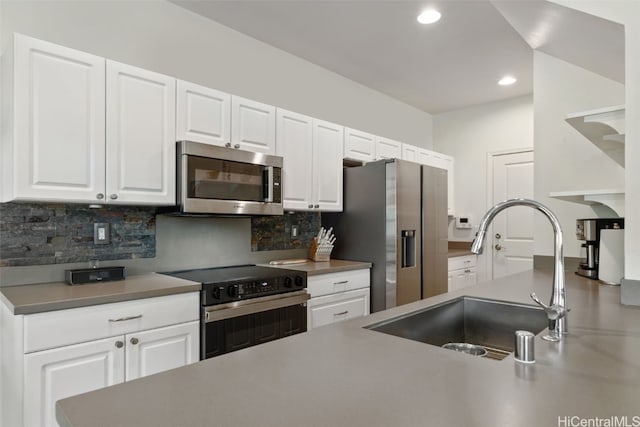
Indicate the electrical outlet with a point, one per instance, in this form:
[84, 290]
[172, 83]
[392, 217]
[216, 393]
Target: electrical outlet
[101, 234]
[294, 231]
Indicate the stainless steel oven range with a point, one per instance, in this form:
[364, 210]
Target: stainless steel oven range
[242, 306]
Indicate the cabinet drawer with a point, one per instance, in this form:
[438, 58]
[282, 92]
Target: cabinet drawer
[64, 327]
[330, 283]
[336, 308]
[458, 262]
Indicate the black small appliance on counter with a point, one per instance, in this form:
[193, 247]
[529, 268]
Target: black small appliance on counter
[589, 231]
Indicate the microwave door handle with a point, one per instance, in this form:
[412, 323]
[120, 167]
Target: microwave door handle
[267, 174]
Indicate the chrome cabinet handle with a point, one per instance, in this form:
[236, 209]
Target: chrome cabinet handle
[99, 196]
[498, 247]
[316, 206]
[236, 146]
[122, 319]
[228, 144]
[119, 344]
[342, 313]
[134, 341]
[113, 196]
[341, 283]
[310, 206]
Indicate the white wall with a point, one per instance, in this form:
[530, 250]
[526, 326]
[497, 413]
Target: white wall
[470, 135]
[564, 159]
[166, 38]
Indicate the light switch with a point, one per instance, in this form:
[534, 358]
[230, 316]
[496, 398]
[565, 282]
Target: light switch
[101, 235]
[294, 231]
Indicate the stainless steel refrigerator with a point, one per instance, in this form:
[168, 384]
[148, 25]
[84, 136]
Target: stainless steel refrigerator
[395, 216]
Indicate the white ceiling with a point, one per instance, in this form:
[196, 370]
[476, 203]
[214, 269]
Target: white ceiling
[451, 64]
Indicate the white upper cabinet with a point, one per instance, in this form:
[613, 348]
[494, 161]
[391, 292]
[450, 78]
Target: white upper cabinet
[253, 125]
[410, 153]
[141, 132]
[79, 128]
[312, 151]
[202, 114]
[388, 149]
[442, 161]
[54, 130]
[328, 141]
[295, 145]
[359, 145]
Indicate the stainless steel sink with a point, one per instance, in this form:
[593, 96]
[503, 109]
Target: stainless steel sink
[489, 323]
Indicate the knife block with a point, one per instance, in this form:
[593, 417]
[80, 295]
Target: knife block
[318, 254]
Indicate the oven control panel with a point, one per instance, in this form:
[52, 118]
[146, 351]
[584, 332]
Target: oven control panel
[253, 288]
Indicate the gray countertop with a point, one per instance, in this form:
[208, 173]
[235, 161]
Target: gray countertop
[313, 268]
[344, 375]
[28, 299]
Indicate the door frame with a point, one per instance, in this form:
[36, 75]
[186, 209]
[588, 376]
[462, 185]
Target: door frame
[488, 260]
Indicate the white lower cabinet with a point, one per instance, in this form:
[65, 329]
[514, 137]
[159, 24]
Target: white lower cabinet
[90, 348]
[55, 374]
[336, 297]
[462, 272]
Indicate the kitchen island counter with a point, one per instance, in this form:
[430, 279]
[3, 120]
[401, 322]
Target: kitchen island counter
[345, 375]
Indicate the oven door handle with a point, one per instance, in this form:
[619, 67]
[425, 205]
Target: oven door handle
[257, 305]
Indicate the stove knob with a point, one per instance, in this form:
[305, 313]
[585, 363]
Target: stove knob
[216, 293]
[288, 282]
[299, 281]
[232, 291]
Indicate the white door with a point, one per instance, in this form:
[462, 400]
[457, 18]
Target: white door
[59, 127]
[202, 114]
[359, 145]
[294, 144]
[51, 375]
[410, 153]
[253, 125]
[328, 142]
[388, 149]
[141, 133]
[161, 349]
[512, 248]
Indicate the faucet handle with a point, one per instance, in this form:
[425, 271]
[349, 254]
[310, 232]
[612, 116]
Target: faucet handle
[553, 311]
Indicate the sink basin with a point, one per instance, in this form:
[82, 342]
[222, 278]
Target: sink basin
[488, 323]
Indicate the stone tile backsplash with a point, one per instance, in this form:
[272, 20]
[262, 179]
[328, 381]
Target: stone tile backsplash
[40, 234]
[47, 233]
[270, 233]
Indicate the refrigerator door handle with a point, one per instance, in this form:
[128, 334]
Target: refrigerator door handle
[408, 238]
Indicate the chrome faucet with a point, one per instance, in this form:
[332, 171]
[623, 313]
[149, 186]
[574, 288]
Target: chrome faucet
[556, 310]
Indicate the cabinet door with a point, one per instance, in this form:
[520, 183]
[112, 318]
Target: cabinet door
[51, 375]
[161, 349]
[253, 125]
[410, 153]
[328, 143]
[202, 114]
[294, 144]
[459, 280]
[141, 133]
[359, 145]
[337, 307]
[388, 149]
[59, 129]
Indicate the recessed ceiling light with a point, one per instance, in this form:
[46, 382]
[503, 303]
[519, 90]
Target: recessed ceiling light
[507, 80]
[429, 16]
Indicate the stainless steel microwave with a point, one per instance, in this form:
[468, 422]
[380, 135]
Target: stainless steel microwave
[226, 181]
